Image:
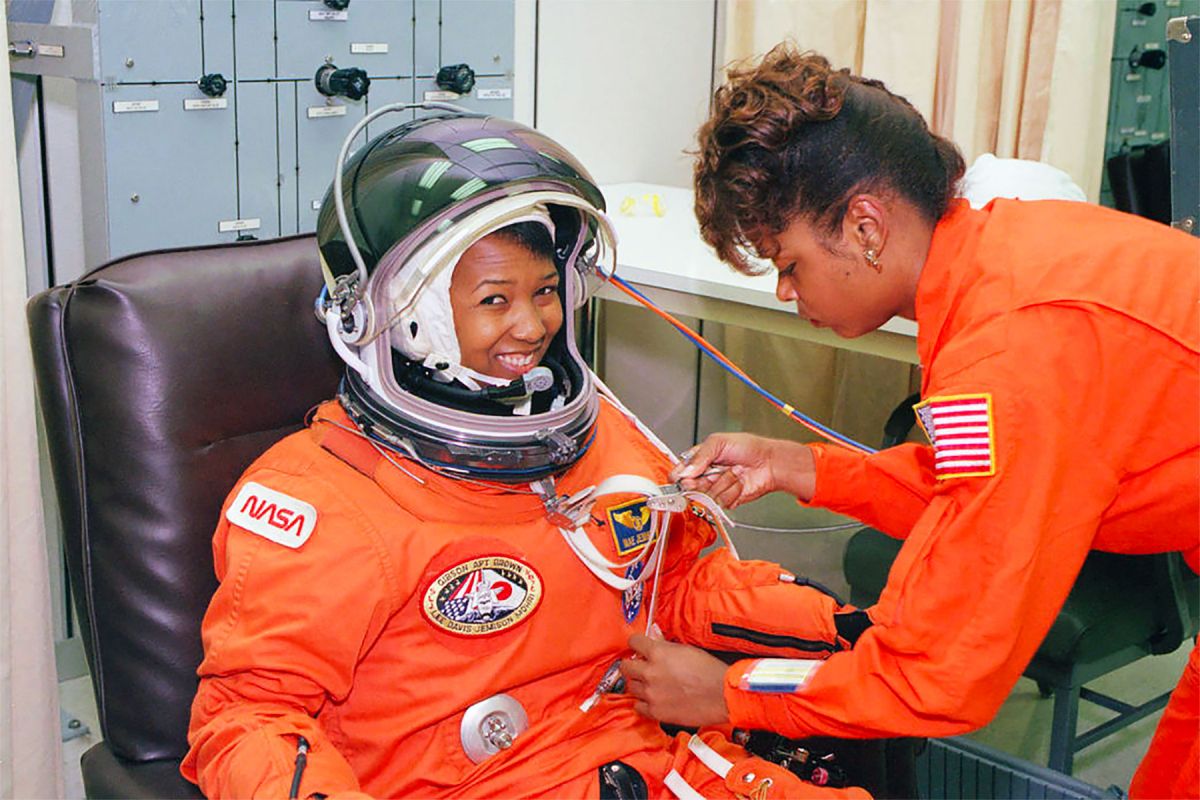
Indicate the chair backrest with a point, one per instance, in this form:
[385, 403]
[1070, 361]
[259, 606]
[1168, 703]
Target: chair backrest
[160, 378]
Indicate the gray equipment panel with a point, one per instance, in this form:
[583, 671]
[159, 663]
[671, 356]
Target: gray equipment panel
[386, 91]
[288, 106]
[258, 165]
[262, 154]
[163, 40]
[150, 204]
[427, 41]
[254, 39]
[216, 25]
[320, 129]
[473, 32]
[1138, 102]
[490, 96]
[376, 36]
[1184, 54]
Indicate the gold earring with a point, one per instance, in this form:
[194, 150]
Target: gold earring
[872, 259]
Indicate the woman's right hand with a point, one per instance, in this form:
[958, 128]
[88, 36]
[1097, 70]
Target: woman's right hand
[735, 468]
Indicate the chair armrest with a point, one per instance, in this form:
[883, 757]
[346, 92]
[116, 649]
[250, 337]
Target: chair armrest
[1172, 581]
[107, 775]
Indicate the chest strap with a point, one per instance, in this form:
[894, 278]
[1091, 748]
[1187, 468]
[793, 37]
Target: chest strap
[349, 447]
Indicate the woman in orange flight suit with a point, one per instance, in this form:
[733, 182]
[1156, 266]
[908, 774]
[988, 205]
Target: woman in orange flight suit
[1059, 344]
[407, 599]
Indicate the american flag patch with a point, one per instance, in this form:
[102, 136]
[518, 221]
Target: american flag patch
[778, 675]
[962, 433]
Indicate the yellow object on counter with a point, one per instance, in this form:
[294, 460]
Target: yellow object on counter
[650, 203]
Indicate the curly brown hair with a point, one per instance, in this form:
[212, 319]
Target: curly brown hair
[792, 137]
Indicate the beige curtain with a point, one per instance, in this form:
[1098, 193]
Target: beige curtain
[30, 760]
[1018, 78]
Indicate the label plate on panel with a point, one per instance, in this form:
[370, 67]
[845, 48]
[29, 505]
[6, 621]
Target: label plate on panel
[328, 15]
[441, 96]
[231, 225]
[51, 50]
[368, 48]
[316, 112]
[205, 103]
[493, 94]
[134, 106]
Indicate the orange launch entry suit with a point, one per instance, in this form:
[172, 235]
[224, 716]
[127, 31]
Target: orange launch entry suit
[344, 615]
[1060, 346]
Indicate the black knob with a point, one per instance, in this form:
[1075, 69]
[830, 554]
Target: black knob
[337, 5]
[1150, 59]
[213, 84]
[350, 82]
[456, 78]
[1147, 9]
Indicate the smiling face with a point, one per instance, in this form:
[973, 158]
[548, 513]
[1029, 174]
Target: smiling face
[506, 307]
[830, 282]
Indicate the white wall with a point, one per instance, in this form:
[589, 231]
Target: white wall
[624, 84]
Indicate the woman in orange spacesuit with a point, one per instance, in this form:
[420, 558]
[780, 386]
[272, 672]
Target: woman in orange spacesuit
[1059, 345]
[425, 593]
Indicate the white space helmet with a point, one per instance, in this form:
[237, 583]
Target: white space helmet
[412, 201]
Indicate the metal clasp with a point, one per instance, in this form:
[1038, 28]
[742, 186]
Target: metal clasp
[672, 498]
[569, 512]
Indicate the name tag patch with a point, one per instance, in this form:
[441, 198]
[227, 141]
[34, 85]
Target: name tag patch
[630, 525]
[272, 515]
[962, 432]
[482, 596]
[778, 675]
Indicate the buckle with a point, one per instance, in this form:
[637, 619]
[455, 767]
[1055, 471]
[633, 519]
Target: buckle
[568, 512]
[672, 498]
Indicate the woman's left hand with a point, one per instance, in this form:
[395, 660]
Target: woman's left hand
[676, 683]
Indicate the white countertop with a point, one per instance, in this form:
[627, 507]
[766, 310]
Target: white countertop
[666, 252]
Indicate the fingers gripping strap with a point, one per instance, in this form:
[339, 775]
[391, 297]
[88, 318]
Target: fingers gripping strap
[720, 520]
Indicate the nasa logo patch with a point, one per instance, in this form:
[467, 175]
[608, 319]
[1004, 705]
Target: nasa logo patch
[482, 596]
[631, 598]
[630, 525]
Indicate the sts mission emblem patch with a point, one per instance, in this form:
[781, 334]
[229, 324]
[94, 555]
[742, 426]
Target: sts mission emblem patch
[482, 596]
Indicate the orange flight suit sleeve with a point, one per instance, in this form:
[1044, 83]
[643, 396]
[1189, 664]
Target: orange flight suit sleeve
[720, 603]
[989, 563]
[901, 480]
[282, 639]
[753, 607]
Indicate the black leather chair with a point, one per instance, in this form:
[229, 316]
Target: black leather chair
[1122, 608]
[160, 378]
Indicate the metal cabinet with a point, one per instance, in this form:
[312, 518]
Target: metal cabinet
[1139, 114]
[149, 132]
[385, 91]
[259, 169]
[376, 35]
[490, 96]
[470, 35]
[253, 36]
[143, 41]
[478, 33]
[162, 164]
[321, 126]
